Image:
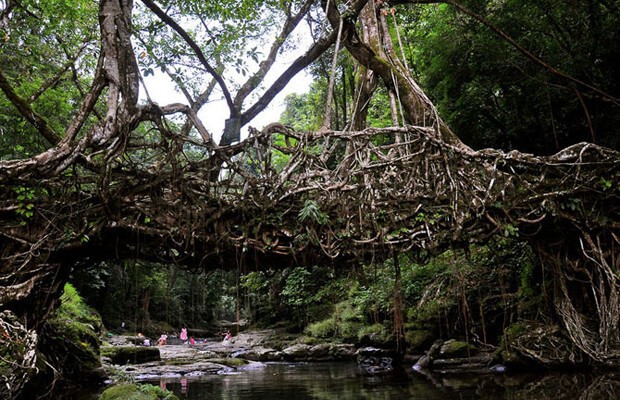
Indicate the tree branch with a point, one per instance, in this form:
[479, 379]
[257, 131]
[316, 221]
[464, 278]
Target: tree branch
[300, 63]
[54, 79]
[28, 113]
[203, 59]
[253, 82]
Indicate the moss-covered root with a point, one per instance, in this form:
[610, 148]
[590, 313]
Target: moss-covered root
[137, 392]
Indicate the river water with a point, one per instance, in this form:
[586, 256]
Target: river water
[345, 381]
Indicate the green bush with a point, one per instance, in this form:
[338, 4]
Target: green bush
[348, 331]
[322, 329]
[419, 340]
[375, 334]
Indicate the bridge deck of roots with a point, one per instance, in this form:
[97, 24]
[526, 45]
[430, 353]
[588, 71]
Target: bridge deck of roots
[283, 197]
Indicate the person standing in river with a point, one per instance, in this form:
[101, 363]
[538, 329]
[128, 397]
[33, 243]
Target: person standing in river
[183, 335]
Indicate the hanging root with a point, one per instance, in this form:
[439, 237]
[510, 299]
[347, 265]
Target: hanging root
[17, 355]
[596, 334]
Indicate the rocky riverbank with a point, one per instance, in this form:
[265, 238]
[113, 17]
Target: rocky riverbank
[246, 350]
[251, 349]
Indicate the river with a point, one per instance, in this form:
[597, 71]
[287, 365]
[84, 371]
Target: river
[344, 381]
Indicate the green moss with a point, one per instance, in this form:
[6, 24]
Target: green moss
[71, 338]
[514, 331]
[230, 362]
[455, 349]
[76, 322]
[137, 392]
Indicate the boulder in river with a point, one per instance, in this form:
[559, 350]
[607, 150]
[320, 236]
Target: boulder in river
[121, 355]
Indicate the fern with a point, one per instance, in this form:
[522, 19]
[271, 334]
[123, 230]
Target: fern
[312, 212]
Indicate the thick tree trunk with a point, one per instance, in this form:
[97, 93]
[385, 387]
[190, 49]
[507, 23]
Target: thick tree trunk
[417, 107]
[366, 78]
[31, 279]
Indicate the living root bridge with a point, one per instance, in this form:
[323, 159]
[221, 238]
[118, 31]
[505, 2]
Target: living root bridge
[327, 195]
[283, 197]
[313, 196]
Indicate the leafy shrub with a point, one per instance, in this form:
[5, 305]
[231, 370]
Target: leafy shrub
[344, 324]
[322, 329]
[375, 334]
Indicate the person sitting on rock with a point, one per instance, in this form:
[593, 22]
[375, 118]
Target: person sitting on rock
[163, 339]
[228, 336]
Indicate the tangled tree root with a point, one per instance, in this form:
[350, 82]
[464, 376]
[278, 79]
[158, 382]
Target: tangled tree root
[17, 355]
[547, 345]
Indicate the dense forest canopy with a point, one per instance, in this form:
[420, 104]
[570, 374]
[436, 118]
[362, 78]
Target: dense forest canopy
[473, 127]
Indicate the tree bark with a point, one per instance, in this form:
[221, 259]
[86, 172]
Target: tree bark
[418, 108]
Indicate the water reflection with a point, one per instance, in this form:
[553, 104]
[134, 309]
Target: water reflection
[571, 386]
[338, 381]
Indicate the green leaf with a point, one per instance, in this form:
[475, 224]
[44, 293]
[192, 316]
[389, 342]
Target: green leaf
[312, 213]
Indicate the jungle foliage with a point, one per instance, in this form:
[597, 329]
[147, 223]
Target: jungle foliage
[69, 355]
[153, 298]
[474, 294]
[489, 92]
[494, 95]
